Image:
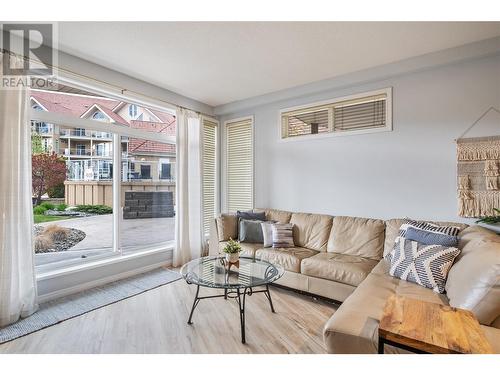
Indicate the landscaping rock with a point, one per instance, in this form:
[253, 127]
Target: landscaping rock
[73, 237]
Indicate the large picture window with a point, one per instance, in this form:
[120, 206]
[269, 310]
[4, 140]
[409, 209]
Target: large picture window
[104, 187]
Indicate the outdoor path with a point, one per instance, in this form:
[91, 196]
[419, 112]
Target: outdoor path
[99, 236]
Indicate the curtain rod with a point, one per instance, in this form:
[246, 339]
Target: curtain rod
[121, 89]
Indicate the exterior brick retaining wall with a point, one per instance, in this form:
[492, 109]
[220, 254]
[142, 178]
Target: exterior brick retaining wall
[148, 204]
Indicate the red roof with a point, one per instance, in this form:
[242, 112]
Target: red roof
[77, 105]
[70, 103]
[140, 146]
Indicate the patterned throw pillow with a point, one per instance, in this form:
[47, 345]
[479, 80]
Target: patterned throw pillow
[283, 235]
[426, 265]
[448, 230]
[423, 225]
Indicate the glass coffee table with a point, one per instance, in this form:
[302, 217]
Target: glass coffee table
[237, 282]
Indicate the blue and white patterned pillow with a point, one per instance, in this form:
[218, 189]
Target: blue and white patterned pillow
[426, 265]
[423, 225]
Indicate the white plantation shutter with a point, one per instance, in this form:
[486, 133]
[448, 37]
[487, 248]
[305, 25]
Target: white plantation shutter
[209, 173]
[239, 164]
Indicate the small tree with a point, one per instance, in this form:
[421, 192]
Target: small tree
[48, 171]
[36, 143]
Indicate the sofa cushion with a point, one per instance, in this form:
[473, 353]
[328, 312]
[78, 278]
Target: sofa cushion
[289, 258]
[354, 326]
[247, 249]
[468, 237]
[347, 269]
[311, 230]
[276, 215]
[357, 236]
[474, 281]
[227, 227]
[392, 231]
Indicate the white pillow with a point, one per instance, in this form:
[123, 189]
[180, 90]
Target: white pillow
[267, 233]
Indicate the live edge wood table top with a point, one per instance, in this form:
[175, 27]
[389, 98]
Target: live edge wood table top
[425, 327]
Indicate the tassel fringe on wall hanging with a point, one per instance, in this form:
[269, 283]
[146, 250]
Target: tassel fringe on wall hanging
[478, 171]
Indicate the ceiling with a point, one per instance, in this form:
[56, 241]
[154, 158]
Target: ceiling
[221, 62]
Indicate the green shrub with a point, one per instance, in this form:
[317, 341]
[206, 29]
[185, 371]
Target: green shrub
[94, 209]
[48, 206]
[61, 207]
[56, 191]
[39, 210]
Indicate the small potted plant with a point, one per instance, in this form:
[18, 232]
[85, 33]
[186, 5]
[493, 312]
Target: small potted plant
[232, 251]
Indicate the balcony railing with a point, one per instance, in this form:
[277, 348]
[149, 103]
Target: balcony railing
[84, 133]
[78, 151]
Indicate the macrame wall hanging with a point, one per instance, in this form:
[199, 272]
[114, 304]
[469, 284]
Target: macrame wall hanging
[478, 171]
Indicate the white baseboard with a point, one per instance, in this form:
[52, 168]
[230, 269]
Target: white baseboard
[105, 280]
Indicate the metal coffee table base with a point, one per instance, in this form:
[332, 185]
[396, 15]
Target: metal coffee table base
[240, 297]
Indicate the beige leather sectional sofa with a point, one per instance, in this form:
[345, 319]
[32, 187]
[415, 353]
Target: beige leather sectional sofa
[341, 258]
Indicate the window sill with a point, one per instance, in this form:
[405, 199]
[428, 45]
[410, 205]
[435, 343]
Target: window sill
[50, 274]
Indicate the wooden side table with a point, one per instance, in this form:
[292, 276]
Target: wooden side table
[424, 327]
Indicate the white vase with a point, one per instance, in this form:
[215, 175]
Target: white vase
[232, 258]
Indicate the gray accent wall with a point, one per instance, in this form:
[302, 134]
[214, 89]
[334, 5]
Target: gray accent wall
[410, 171]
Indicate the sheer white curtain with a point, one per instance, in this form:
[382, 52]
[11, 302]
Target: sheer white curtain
[17, 275]
[188, 196]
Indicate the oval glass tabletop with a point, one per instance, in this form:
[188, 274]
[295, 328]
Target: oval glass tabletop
[212, 272]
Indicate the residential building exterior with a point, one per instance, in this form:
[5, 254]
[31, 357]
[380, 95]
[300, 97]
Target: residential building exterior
[89, 154]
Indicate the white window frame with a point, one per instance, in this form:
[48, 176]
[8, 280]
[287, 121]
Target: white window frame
[217, 166]
[224, 155]
[388, 122]
[118, 131]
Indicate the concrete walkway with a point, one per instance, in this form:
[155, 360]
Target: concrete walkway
[135, 234]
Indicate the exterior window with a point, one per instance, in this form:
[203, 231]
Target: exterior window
[145, 172]
[99, 116]
[361, 113]
[132, 110]
[239, 165]
[209, 172]
[165, 172]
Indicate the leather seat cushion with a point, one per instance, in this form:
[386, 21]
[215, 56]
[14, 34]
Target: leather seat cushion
[288, 258]
[357, 236]
[311, 230]
[347, 269]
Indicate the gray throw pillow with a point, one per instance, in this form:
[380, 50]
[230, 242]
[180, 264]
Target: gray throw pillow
[250, 231]
[250, 215]
[430, 238]
[426, 265]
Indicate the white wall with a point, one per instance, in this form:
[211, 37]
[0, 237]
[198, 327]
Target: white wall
[410, 171]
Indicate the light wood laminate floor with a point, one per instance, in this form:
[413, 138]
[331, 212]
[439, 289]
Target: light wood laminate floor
[155, 322]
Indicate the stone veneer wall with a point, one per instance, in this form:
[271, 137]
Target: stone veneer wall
[148, 204]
